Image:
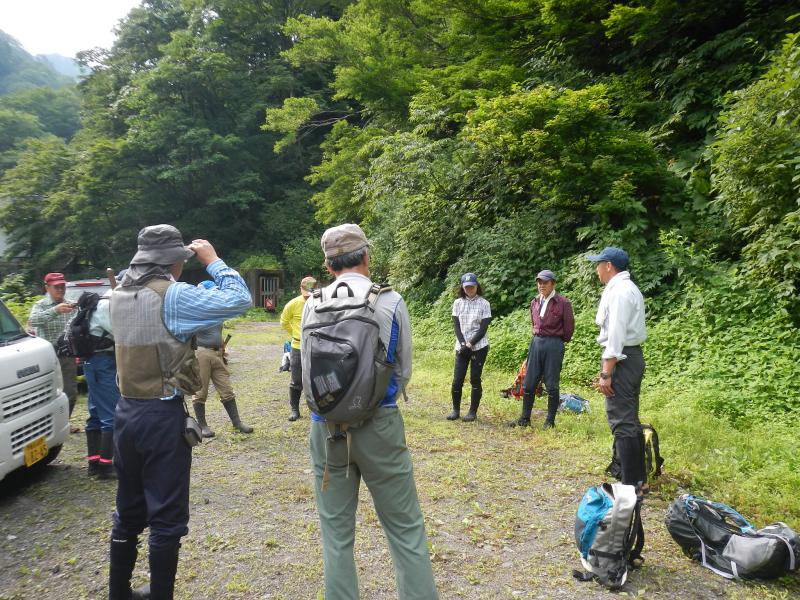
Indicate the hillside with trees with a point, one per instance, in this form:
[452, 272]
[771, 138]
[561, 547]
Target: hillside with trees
[499, 137]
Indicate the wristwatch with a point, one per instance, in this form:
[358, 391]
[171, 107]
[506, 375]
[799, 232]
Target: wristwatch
[604, 375]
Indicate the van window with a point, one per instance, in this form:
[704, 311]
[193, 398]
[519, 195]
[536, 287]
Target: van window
[9, 327]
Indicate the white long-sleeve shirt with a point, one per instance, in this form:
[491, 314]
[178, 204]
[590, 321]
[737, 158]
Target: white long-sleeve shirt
[620, 316]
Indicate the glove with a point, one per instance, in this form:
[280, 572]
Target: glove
[464, 351]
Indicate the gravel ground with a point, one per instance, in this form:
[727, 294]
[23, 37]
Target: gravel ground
[499, 505]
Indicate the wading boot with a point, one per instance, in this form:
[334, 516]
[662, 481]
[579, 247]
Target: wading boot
[92, 451]
[474, 403]
[163, 567]
[552, 408]
[233, 413]
[200, 413]
[527, 408]
[456, 412]
[105, 464]
[123, 558]
[294, 404]
[631, 457]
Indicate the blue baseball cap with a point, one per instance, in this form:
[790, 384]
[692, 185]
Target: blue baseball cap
[616, 256]
[546, 275]
[209, 285]
[469, 279]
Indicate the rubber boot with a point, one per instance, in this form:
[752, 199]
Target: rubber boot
[92, 450]
[122, 560]
[552, 408]
[294, 403]
[456, 412]
[631, 457]
[200, 413]
[527, 408]
[105, 465]
[163, 567]
[233, 413]
[474, 403]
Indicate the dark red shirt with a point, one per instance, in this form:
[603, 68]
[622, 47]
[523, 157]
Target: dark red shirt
[558, 319]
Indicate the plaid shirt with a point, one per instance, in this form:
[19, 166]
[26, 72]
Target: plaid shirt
[470, 313]
[46, 321]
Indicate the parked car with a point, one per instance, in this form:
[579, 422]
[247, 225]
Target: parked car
[34, 411]
[76, 288]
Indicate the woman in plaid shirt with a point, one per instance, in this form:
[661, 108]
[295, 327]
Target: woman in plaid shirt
[471, 317]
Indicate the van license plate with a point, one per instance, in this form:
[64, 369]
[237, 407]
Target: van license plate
[35, 451]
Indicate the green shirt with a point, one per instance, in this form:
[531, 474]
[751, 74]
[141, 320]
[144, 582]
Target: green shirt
[48, 323]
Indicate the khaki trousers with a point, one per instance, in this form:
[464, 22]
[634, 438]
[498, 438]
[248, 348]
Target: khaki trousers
[379, 455]
[213, 369]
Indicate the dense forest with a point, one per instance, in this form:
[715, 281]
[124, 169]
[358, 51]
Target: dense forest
[495, 136]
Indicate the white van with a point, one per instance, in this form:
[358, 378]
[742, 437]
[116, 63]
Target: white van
[34, 411]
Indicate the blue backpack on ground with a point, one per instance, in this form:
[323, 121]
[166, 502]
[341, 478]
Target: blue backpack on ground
[609, 534]
[573, 403]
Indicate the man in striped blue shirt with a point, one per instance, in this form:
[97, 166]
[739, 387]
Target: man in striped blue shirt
[154, 319]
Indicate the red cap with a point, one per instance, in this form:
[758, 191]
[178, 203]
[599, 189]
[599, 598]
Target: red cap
[54, 278]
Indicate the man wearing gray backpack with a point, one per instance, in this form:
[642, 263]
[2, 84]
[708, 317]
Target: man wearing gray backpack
[356, 353]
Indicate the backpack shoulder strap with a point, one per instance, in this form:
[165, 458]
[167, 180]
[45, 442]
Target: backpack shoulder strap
[375, 290]
[637, 533]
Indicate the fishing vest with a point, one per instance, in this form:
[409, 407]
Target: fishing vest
[151, 362]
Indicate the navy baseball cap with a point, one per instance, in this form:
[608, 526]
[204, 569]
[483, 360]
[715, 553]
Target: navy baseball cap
[469, 279]
[616, 256]
[546, 275]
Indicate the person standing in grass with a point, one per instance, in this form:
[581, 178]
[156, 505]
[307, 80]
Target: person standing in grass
[553, 325]
[291, 318]
[471, 317]
[620, 317]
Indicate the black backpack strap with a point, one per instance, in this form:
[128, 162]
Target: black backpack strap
[335, 293]
[637, 534]
[582, 575]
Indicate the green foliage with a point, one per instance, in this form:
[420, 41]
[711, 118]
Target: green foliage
[19, 70]
[757, 171]
[14, 288]
[259, 261]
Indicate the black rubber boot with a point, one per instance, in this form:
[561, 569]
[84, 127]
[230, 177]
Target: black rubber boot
[105, 465]
[163, 567]
[122, 560]
[527, 408]
[631, 457]
[294, 404]
[200, 413]
[456, 412]
[474, 403]
[552, 408]
[93, 450]
[233, 413]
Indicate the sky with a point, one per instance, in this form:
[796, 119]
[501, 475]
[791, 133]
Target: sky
[62, 26]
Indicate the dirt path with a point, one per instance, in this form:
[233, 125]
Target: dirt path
[499, 504]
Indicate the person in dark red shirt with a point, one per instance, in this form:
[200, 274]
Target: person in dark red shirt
[553, 325]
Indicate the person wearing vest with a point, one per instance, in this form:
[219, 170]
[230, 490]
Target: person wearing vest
[291, 317]
[621, 318]
[553, 324]
[100, 371]
[154, 319]
[214, 367]
[374, 450]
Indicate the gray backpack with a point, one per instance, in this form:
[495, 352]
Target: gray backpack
[345, 372]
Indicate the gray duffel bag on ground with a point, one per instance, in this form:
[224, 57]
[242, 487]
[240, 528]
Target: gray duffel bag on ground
[722, 540]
